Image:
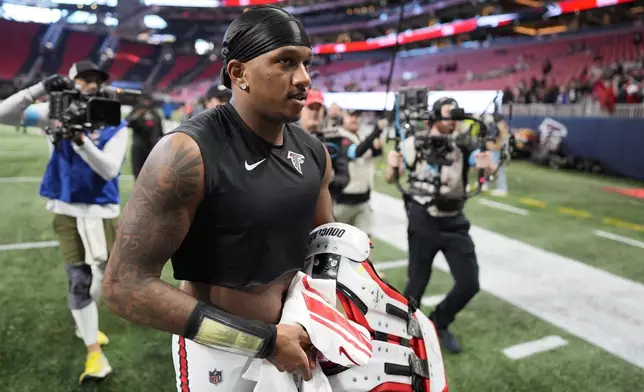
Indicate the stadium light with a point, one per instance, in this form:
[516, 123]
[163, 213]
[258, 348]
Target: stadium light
[82, 17]
[208, 3]
[154, 22]
[203, 46]
[110, 21]
[185, 3]
[109, 3]
[24, 13]
[156, 39]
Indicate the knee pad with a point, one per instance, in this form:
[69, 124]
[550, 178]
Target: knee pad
[79, 281]
[406, 351]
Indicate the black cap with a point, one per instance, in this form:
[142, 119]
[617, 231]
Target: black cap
[85, 67]
[218, 91]
[351, 112]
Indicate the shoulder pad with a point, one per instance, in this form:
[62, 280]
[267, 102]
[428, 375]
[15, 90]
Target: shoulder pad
[341, 239]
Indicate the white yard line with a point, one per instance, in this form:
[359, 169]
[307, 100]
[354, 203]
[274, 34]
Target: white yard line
[29, 245]
[504, 207]
[527, 349]
[599, 307]
[387, 265]
[12, 180]
[432, 300]
[619, 238]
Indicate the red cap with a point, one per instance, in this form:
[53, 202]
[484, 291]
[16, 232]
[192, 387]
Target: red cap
[314, 96]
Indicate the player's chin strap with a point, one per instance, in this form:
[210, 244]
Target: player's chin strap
[406, 352]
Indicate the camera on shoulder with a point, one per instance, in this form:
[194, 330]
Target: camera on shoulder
[434, 149]
[77, 112]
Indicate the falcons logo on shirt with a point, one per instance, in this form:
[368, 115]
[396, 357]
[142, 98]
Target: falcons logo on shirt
[297, 160]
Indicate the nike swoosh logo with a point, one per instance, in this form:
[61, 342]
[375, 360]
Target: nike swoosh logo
[254, 165]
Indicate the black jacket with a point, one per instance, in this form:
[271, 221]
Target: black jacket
[339, 161]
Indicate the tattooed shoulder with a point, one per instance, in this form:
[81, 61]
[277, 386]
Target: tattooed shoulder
[174, 171]
[164, 199]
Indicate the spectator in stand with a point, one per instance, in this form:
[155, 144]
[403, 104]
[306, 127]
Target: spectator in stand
[547, 67]
[495, 147]
[508, 96]
[604, 92]
[551, 94]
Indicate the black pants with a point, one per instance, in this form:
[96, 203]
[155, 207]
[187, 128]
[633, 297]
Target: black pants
[427, 235]
[140, 152]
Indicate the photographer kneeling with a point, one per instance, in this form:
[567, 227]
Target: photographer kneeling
[81, 185]
[436, 219]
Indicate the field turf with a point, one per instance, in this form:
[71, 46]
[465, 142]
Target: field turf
[39, 352]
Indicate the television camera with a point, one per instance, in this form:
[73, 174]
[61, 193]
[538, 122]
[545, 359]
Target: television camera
[414, 117]
[74, 112]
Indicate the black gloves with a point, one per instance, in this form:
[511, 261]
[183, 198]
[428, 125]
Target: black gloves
[57, 83]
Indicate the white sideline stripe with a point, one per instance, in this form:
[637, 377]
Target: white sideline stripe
[19, 179]
[387, 265]
[432, 300]
[504, 207]
[29, 245]
[527, 349]
[39, 179]
[619, 238]
[559, 290]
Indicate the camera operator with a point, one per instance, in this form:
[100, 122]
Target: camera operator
[147, 129]
[352, 205]
[441, 226]
[311, 121]
[81, 185]
[334, 115]
[216, 95]
[496, 147]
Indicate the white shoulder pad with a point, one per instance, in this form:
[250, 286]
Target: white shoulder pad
[341, 239]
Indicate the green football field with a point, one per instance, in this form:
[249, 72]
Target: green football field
[39, 351]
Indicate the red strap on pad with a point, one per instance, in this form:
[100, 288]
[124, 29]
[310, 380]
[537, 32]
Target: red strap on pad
[354, 314]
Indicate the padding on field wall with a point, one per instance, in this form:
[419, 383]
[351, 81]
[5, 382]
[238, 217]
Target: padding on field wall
[616, 143]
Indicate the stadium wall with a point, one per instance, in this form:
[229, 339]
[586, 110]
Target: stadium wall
[615, 142]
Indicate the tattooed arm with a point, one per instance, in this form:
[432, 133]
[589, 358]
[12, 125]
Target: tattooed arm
[324, 209]
[154, 223]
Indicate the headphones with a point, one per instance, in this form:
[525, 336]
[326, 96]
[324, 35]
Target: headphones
[438, 105]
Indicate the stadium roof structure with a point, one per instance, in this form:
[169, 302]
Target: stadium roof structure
[337, 26]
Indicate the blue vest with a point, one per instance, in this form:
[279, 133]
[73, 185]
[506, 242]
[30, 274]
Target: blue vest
[70, 179]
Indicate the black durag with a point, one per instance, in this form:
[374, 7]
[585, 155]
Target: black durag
[257, 31]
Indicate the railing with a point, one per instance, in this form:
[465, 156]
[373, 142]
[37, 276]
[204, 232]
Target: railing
[589, 109]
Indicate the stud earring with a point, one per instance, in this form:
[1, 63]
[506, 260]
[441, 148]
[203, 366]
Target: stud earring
[243, 86]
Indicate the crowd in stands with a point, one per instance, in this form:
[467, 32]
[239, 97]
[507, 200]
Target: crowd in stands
[618, 82]
[602, 66]
[608, 68]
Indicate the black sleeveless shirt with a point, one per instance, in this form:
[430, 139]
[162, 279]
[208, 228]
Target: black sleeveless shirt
[259, 206]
